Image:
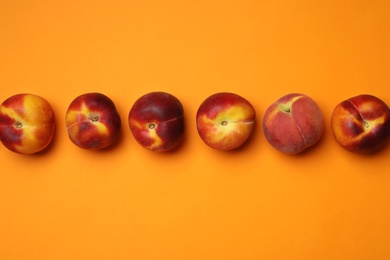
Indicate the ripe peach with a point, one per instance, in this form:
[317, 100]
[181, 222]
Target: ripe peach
[225, 120]
[293, 123]
[92, 121]
[156, 121]
[27, 123]
[361, 124]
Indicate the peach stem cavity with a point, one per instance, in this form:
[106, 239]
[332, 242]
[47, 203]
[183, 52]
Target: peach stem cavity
[94, 117]
[18, 125]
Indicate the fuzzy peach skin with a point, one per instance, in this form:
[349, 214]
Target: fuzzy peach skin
[92, 121]
[27, 123]
[293, 123]
[156, 121]
[361, 124]
[225, 121]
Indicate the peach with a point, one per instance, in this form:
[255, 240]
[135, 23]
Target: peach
[293, 123]
[156, 121]
[225, 121]
[27, 123]
[92, 121]
[361, 124]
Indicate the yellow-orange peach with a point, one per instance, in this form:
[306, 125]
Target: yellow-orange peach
[225, 120]
[293, 123]
[27, 123]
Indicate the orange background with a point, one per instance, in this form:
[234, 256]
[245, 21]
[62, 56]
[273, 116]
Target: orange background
[196, 202]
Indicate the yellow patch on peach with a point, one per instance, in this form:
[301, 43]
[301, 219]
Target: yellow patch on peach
[230, 120]
[84, 109]
[283, 107]
[73, 118]
[154, 136]
[367, 126]
[234, 114]
[366, 106]
[75, 115]
[150, 132]
[12, 113]
[137, 124]
[373, 123]
[38, 105]
[101, 128]
[337, 127]
[28, 140]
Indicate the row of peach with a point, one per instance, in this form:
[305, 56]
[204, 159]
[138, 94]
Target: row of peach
[224, 121]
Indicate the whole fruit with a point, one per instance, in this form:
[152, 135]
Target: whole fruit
[361, 124]
[27, 123]
[293, 123]
[92, 121]
[156, 121]
[225, 120]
